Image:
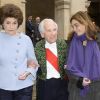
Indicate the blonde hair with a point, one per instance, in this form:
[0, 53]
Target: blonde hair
[83, 18]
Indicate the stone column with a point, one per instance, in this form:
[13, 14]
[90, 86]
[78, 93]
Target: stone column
[78, 5]
[21, 4]
[62, 16]
[87, 4]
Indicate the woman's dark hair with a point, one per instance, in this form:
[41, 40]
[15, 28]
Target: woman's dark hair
[11, 10]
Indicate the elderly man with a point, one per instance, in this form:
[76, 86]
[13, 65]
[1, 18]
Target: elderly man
[50, 52]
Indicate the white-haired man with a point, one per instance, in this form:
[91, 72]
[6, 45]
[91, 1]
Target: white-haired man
[50, 52]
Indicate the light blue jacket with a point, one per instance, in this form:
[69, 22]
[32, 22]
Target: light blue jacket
[14, 53]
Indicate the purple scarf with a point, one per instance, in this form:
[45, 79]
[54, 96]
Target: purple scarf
[84, 61]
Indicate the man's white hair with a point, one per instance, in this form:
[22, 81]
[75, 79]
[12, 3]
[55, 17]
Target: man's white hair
[42, 23]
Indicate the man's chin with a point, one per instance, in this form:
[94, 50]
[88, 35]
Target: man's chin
[52, 42]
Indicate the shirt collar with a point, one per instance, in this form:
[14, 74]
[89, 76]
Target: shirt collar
[48, 45]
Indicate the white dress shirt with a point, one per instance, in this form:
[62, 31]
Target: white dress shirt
[51, 71]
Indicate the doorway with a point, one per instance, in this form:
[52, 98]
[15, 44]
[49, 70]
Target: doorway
[94, 11]
[41, 8]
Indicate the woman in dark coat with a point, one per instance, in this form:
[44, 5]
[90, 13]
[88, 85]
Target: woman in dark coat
[83, 62]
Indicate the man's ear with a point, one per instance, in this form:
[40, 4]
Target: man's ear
[42, 35]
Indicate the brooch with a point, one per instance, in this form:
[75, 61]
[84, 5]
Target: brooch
[84, 42]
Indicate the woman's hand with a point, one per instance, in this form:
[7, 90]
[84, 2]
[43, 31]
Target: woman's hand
[86, 81]
[24, 75]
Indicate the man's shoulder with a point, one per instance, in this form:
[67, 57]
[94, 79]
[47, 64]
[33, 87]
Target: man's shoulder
[61, 42]
[41, 43]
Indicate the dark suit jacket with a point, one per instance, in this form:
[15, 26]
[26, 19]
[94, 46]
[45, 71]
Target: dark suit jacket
[29, 28]
[36, 32]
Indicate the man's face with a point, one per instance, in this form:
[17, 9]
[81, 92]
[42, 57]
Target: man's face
[50, 33]
[38, 19]
[30, 18]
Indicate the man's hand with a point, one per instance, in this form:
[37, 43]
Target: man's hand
[65, 66]
[32, 30]
[31, 64]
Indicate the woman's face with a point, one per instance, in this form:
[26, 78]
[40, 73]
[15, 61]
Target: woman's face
[78, 27]
[10, 25]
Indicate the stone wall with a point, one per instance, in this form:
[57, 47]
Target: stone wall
[60, 10]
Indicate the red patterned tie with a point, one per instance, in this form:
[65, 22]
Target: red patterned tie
[52, 59]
